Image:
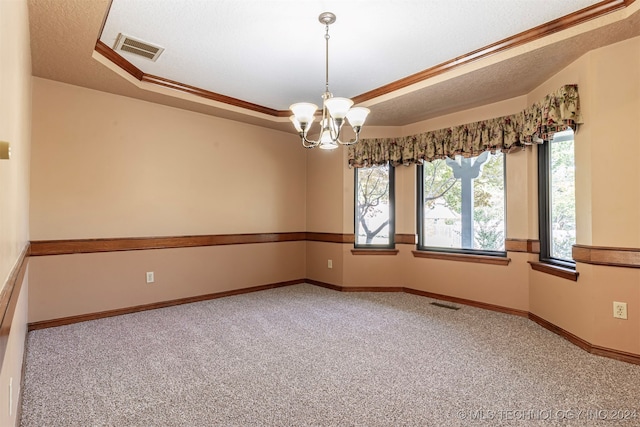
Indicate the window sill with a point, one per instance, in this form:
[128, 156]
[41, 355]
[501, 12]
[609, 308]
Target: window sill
[555, 270]
[372, 251]
[481, 259]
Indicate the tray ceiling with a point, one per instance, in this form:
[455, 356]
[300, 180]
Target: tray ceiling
[271, 53]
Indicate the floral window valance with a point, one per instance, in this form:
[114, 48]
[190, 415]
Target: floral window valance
[558, 111]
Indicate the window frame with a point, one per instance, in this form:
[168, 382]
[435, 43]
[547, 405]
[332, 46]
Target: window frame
[392, 212]
[420, 219]
[544, 208]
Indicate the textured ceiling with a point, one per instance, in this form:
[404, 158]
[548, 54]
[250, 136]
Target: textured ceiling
[276, 72]
[503, 80]
[272, 53]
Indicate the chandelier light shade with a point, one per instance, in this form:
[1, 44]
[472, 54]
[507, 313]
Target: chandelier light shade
[334, 110]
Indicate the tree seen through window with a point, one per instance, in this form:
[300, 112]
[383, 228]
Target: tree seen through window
[464, 203]
[374, 206]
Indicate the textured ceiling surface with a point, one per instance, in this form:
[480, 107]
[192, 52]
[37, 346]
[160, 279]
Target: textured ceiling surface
[268, 66]
[272, 53]
[503, 80]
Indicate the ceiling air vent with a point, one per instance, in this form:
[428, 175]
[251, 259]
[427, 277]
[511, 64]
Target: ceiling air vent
[137, 47]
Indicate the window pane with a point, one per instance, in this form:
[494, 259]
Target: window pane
[373, 206]
[464, 203]
[562, 199]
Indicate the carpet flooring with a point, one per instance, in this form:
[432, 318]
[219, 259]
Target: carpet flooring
[307, 356]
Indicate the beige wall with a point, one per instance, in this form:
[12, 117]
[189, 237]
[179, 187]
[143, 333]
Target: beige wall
[11, 374]
[109, 166]
[105, 165]
[69, 285]
[491, 284]
[607, 198]
[324, 190]
[498, 285]
[15, 125]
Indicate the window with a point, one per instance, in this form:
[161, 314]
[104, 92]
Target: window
[557, 199]
[461, 205]
[374, 207]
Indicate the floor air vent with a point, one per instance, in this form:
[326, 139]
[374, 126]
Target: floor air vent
[450, 307]
[137, 47]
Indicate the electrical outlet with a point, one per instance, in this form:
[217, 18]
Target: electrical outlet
[150, 277]
[620, 310]
[329, 263]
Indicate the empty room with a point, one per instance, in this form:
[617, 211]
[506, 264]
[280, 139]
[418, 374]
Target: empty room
[340, 213]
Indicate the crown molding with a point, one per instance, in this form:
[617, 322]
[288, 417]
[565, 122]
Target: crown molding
[551, 27]
[141, 76]
[595, 11]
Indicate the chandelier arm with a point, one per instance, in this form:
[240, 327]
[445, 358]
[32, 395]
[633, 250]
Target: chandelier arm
[353, 141]
[311, 144]
[308, 143]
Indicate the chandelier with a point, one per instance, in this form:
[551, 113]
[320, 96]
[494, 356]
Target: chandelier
[334, 110]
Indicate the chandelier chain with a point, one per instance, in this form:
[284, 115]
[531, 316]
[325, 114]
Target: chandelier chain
[326, 58]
